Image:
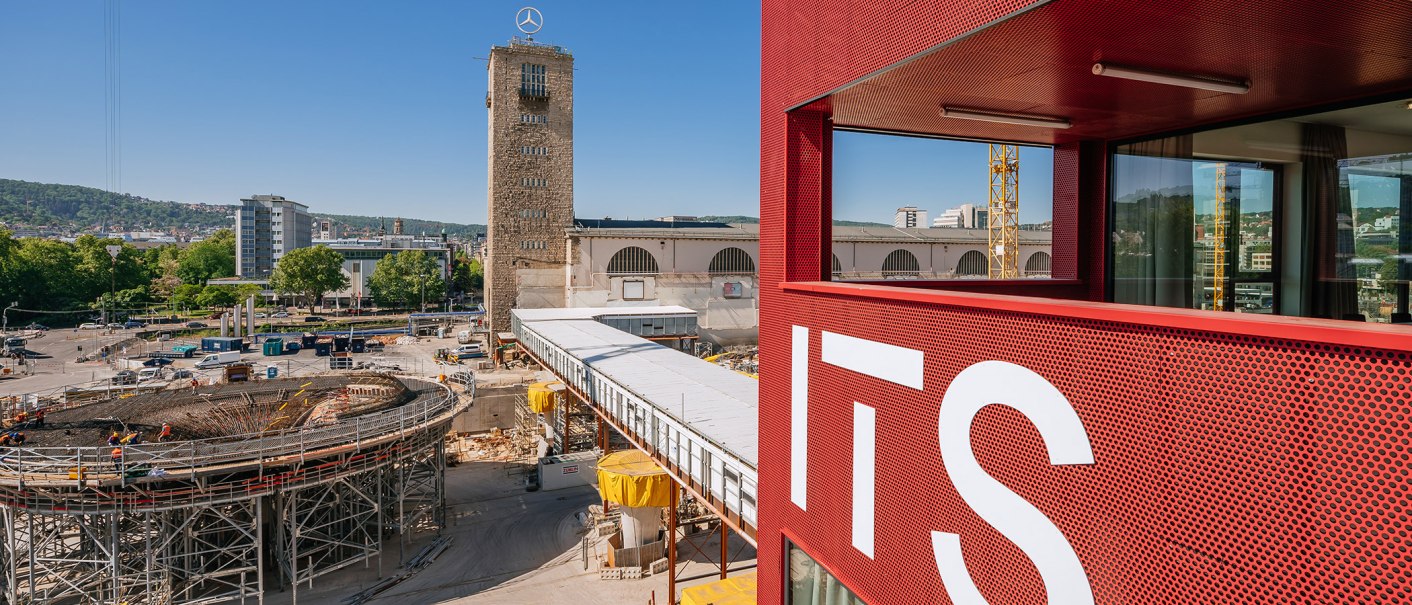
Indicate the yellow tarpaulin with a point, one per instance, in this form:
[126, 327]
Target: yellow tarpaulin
[542, 397]
[630, 478]
[738, 590]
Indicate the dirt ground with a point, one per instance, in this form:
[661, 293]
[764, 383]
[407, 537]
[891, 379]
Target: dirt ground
[509, 547]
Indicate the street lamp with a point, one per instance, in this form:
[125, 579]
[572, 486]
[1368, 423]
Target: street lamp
[113, 251]
[5, 318]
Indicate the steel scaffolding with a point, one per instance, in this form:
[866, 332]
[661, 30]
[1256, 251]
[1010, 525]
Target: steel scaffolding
[230, 518]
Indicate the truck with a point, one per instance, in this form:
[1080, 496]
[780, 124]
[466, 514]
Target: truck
[216, 360]
[464, 337]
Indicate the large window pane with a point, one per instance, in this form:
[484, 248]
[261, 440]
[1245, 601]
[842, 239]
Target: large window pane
[811, 584]
[1377, 189]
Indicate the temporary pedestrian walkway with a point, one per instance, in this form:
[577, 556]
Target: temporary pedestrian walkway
[697, 419]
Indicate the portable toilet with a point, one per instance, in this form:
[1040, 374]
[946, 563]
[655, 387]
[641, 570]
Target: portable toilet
[274, 347]
[271, 372]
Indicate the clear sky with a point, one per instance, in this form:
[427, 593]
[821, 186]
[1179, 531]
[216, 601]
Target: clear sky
[377, 108]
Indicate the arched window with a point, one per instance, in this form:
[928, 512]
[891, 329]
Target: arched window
[973, 264]
[901, 263]
[632, 260]
[837, 266]
[732, 261]
[1038, 265]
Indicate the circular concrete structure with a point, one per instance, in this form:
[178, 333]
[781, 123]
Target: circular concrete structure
[270, 484]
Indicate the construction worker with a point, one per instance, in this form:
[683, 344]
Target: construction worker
[195, 382]
[129, 439]
[118, 459]
[17, 438]
[39, 418]
[166, 432]
[114, 439]
[4, 440]
[21, 417]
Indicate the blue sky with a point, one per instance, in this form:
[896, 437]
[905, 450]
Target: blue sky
[377, 108]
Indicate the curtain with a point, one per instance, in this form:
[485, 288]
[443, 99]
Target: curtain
[1153, 249]
[1328, 225]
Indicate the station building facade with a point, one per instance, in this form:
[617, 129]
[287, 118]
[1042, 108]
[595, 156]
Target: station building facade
[1209, 401]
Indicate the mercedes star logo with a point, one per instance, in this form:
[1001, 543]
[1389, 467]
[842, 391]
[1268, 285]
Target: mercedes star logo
[529, 20]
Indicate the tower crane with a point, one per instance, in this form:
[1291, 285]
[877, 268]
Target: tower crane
[1003, 212]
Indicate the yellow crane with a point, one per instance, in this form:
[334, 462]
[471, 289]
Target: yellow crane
[1218, 240]
[1003, 212]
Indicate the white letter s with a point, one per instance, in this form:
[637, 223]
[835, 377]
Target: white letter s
[1064, 436]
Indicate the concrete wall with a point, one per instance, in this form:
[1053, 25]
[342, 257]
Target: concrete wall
[493, 408]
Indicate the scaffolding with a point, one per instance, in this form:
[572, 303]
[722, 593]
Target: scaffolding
[227, 518]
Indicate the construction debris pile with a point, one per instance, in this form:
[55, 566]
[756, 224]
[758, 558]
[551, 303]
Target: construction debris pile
[496, 446]
[742, 359]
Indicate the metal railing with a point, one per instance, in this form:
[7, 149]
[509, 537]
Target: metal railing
[435, 403]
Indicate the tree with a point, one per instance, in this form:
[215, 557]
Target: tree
[209, 258]
[213, 297]
[406, 278]
[310, 273]
[187, 295]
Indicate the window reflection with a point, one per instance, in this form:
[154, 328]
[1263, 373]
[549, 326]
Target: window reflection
[811, 584]
[1301, 216]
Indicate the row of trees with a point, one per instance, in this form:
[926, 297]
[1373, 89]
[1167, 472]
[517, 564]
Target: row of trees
[52, 275]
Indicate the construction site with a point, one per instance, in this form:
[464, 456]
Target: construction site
[220, 493]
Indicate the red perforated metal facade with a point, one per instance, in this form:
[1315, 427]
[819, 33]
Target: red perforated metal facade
[1236, 459]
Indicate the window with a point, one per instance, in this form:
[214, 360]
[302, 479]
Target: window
[1038, 265]
[632, 260]
[634, 289]
[810, 584]
[533, 182]
[900, 264]
[532, 118]
[532, 213]
[539, 151]
[1199, 220]
[973, 264]
[533, 245]
[732, 261]
[837, 267]
[533, 81]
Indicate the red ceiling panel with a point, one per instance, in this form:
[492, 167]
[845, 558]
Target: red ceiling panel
[1039, 62]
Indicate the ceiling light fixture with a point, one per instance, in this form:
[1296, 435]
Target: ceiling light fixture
[1005, 118]
[1237, 87]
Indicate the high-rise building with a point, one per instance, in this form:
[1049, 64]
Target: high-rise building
[910, 217]
[267, 227]
[965, 216]
[531, 188]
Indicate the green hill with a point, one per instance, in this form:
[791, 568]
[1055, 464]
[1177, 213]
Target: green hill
[76, 208]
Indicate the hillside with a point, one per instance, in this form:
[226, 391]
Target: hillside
[76, 208]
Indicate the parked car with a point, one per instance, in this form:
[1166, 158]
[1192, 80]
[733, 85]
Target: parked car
[37, 327]
[182, 373]
[280, 315]
[133, 323]
[90, 326]
[157, 362]
[261, 316]
[314, 319]
[195, 324]
[125, 377]
[116, 326]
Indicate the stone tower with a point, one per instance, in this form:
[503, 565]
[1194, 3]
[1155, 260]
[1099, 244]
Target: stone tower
[531, 177]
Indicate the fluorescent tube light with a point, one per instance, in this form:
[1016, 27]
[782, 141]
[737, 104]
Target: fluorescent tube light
[1237, 87]
[1005, 118]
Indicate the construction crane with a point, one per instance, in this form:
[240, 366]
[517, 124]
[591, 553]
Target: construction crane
[1219, 244]
[1003, 215]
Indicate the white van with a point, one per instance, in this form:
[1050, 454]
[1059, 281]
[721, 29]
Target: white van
[216, 360]
[150, 374]
[463, 337]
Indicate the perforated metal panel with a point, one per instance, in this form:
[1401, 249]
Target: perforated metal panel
[1229, 468]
